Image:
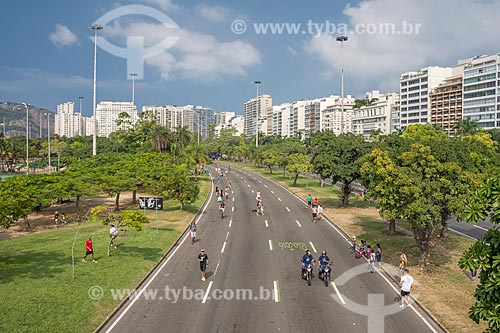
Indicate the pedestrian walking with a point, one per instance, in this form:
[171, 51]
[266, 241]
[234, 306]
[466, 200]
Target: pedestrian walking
[113, 233]
[371, 260]
[378, 255]
[56, 217]
[309, 201]
[406, 285]
[315, 202]
[203, 259]
[314, 213]
[89, 250]
[403, 263]
[192, 230]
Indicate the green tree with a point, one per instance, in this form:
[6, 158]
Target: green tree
[485, 254]
[299, 163]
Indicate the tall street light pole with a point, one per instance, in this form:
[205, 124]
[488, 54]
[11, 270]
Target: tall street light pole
[40, 125]
[133, 75]
[342, 39]
[257, 83]
[48, 137]
[27, 138]
[80, 129]
[95, 27]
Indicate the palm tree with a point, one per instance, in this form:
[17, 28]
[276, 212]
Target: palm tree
[465, 127]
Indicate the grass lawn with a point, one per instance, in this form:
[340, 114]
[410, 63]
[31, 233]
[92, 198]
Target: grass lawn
[38, 292]
[442, 288]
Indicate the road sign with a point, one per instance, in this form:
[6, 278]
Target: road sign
[151, 203]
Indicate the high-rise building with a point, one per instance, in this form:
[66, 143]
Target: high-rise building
[258, 110]
[312, 113]
[376, 115]
[337, 117]
[107, 114]
[67, 122]
[446, 103]
[193, 118]
[415, 87]
[481, 96]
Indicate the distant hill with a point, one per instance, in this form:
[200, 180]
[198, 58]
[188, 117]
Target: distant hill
[15, 120]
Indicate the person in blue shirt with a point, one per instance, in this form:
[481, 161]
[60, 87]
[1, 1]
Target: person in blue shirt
[306, 260]
[323, 260]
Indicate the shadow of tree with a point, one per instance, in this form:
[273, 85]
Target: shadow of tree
[27, 264]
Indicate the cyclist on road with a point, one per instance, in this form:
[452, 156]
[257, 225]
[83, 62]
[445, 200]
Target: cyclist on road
[222, 207]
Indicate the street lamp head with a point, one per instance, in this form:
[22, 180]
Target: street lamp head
[257, 82]
[96, 26]
[342, 39]
[133, 74]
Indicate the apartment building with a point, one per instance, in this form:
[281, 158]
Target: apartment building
[258, 111]
[415, 88]
[107, 114]
[67, 122]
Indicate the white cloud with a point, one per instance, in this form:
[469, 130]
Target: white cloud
[194, 55]
[62, 36]
[212, 13]
[450, 30]
[163, 4]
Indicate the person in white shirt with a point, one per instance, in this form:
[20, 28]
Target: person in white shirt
[113, 233]
[406, 284]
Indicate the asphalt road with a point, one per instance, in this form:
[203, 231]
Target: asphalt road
[261, 255]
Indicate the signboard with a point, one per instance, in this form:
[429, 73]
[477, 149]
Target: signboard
[151, 203]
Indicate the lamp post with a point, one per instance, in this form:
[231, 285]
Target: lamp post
[40, 125]
[95, 27]
[80, 129]
[48, 137]
[342, 39]
[133, 75]
[27, 138]
[257, 83]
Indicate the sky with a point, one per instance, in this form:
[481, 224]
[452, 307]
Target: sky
[210, 53]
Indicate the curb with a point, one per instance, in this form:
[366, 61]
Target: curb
[343, 233]
[145, 278]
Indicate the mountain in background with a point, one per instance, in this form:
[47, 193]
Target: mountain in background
[14, 116]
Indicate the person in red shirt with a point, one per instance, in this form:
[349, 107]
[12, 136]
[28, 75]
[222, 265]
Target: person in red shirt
[89, 249]
[315, 202]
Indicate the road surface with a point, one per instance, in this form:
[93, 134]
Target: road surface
[261, 254]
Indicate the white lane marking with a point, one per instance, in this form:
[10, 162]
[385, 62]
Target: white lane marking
[338, 293]
[279, 198]
[265, 185]
[276, 292]
[267, 225]
[206, 294]
[272, 191]
[462, 234]
[232, 192]
[227, 235]
[233, 199]
[253, 191]
[479, 227]
[217, 268]
[260, 181]
[248, 185]
[232, 209]
[312, 245]
[158, 271]
[300, 225]
[230, 222]
[270, 245]
[253, 177]
[223, 247]
[288, 209]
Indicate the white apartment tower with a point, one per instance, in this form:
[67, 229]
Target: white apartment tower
[107, 114]
[67, 122]
[376, 116]
[334, 119]
[481, 95]
[258, 110]
[415, 88]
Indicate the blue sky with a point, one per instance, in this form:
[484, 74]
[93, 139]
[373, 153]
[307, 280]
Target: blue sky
[47, 53]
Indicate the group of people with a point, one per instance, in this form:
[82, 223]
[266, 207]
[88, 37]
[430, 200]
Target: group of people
[364, 249]
[60, 219]
[316, 209]
[89, 249]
